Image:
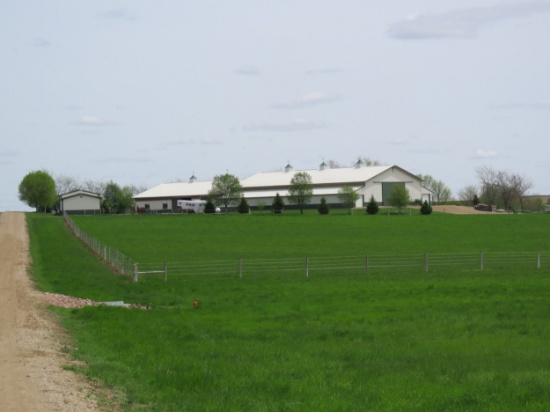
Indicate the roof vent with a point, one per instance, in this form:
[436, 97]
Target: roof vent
[288, 168]
[193, 178]
[323, 166]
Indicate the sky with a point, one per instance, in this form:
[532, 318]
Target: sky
[143, 93]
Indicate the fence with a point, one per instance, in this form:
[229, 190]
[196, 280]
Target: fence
[117, 260]
[121, 263]
[306, 266]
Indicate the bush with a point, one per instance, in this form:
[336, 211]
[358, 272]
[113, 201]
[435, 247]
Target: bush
[372, 206]
[243, 206]
[323, 207]
[209, 207]
[278, 204]
[426, 208]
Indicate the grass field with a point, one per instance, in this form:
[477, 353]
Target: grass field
[450, 339]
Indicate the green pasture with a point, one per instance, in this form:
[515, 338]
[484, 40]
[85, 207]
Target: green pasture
[447, 340]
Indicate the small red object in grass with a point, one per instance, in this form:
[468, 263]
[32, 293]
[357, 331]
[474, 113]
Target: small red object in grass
[196, 304]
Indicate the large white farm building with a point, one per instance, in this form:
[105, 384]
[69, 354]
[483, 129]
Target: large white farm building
[262, 187]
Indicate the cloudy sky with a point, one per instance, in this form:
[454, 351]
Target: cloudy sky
[143, 92]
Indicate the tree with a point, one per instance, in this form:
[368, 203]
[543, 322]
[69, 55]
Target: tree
[37, 189]
[301, 190]
[399, 197]
[468, 194]
[125, 200]
[441, 193]
[278, 205]
[323, 208]
[489, 180]
[372, 206]
[226, 190]
[348, 196]
[426, 208]
[111, 197]
[367, 161]
[243, 206]
[65, 184]
[521, 186]
[502, 186]
[209, 207]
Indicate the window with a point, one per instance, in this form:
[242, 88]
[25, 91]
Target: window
[165, 205]
[147, 206]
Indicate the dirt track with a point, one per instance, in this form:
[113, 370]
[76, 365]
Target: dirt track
[32, 377]
[459, 210]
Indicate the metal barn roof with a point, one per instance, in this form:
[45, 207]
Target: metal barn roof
[266, 184]
[341, 176]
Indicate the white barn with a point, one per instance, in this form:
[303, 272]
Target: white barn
[262, 187]
[80, 202]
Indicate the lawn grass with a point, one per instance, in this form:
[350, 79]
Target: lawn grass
[450, 340]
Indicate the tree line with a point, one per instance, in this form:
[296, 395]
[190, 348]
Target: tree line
[500, 188]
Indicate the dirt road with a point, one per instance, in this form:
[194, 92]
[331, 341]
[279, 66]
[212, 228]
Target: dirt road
[32, 377]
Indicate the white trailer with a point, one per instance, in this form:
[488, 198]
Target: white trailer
[191, 206]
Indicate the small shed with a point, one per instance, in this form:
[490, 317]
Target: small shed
[80, 202]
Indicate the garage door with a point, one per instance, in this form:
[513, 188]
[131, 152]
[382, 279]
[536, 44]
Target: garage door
[386, 190]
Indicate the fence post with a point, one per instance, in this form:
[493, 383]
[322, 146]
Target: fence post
[481, 260]
[538, 260]
[426, 262]
[165, 271]
[307, 266]
[135, 278]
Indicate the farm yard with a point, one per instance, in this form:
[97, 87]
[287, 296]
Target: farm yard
[395, 337]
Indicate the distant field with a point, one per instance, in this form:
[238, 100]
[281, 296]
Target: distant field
[207, 237]
[449, 339]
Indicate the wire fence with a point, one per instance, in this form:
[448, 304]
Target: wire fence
[113, 257]
[307, 266]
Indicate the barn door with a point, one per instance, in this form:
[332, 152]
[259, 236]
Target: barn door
[386, 190]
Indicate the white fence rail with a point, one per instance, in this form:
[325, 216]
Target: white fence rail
[307, 266]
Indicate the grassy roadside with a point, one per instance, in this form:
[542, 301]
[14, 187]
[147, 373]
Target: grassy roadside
[437, 341]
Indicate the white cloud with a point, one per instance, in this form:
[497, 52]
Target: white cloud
[306, 100]
[463, 23]
[484, 154]
[293, 126]
[247, 70]
[92, 121]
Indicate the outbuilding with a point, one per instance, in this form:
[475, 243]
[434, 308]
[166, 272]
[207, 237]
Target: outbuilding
[80, 202]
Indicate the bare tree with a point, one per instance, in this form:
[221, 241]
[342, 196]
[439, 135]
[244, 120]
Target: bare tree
[521, 186]
[441, 193]
[506, 189]
[65, 184]
[137, 189]
[500, 185]
[94, 186]
[467, 194]
[368, 161]
[489, 180]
